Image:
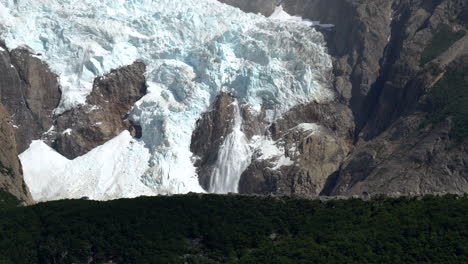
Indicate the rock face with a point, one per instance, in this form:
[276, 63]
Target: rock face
[406, 159]
[394, 154]
[30, 92]
[105, 115]
[313, 145]
[211, 129]
[11, 174]
[388, 56]
[357, 42]
[404, 77]
[311, 154]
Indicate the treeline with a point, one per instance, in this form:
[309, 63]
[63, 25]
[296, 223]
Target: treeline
[237, 229]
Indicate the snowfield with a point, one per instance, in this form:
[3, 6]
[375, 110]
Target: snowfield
[194, 49]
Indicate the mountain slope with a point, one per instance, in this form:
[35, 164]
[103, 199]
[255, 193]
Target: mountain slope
[394, 64]
[193, 51]
[11, 173]
[369, 100]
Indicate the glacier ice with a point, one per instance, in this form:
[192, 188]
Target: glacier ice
[194, 49]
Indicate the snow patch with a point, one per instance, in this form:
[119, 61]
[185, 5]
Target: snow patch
[110, 171]
[312, 128]
[67, 132]
[283, 161]
[281, 15]
[272, 151]
[50, 131]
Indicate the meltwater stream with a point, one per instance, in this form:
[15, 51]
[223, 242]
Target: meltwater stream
[233, 158]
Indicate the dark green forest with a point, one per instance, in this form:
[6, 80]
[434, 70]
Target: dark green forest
[237, 229]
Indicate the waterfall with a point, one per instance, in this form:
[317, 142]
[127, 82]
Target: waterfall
[234, 157]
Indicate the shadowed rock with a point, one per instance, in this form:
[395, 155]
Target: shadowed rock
[11, 173]
[105, 115]
[209, 134]
[30, 92]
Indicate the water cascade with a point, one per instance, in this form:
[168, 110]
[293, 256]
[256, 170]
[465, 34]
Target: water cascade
[233, 158]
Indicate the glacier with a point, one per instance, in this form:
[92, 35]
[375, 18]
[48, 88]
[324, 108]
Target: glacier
[194, 49]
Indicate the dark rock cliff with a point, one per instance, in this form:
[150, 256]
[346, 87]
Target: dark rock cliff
[209, 134]
[394, 62]
[11, 173]
[30, 92]
[104, 116]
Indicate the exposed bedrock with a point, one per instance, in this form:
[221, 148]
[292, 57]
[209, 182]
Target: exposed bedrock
[29, 91]
[425, 151]
[208, 136]
[357, 42]
[11, 173]
[408, 158]
[388, 58]
[309, 146]
[105, 115]
[312, 144]
[212, 129]
[311, 155]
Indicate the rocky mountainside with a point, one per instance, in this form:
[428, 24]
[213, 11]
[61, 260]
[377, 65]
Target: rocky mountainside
[11, 173]
[30, 92]
[375, 103]
[391, 61]
[104, 117]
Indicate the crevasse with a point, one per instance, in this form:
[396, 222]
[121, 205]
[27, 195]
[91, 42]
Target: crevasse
[194, 49]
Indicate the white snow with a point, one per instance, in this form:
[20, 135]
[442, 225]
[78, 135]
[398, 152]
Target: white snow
[193, 49]
[272, 151]
[281, 15]
[266, 147]
[50, 131]
[68, 131]
[309, 127]
[110, 171]
[283, 161]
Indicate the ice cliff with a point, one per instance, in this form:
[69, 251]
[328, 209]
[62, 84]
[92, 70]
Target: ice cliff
[194, 49]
